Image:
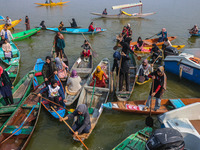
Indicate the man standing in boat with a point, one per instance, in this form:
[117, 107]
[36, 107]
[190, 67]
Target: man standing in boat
[6, 33]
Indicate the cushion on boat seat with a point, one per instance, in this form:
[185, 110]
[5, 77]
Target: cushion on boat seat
[177, 103]
[38, 74]
[24, 129]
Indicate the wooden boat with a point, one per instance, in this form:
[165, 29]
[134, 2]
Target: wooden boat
[20, 92]
[124, 14]
[135, 141]
[30, 104]
[137, 106]
[25, 34]
[13, 71]
[13, 24]
[15, 52]
[149, 42]
[187, 121]
[84, 69]
[77, 30]
[125, 95]
[100, 96]
[198, 34]
[51, 4]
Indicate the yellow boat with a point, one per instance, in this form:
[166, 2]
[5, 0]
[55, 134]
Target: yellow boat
[14, 23]
[51, 4]
[175, 46]
[139, 83]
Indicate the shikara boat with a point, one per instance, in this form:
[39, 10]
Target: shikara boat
[100, 96]
[84, 69]
[137, 106]
[15, 52]
[124, 14]
[24, 119]
[25, 34]
[13, 23]
[77, 30]
[198, 34]
[135, 141]
[125, 95]
[13, 71]
[51, 4]
[20, 92]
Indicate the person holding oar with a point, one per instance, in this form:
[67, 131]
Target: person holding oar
[91, 28]
[163, 34]
[160, 84]
[59, 44]
[86, 51]
[155, 51]
[61, 25]
[83, 124]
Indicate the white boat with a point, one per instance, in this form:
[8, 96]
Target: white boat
[124, 14]
[187, 121]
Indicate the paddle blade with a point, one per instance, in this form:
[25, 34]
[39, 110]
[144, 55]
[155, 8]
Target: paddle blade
[149, 121]
[90, 110]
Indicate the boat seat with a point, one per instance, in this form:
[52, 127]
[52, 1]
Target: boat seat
[30, 106]
[177, 103]
[11, 75]
[25, 129]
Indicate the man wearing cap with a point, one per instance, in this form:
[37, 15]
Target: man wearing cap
[159, 86]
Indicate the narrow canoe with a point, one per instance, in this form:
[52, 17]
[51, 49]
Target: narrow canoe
[84, 69]
[16, 119]
[137, 106]
[14, 23]
[15, 52]
[51, 4]
[125, 95]
[77, 30]
[20, 92]
[198, 34]
[135, 141]
[100, 96]
[13, 71]
[149, 42]
[25, 34]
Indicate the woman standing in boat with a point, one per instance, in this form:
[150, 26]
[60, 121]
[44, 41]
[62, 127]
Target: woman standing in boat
[6, 87]
[91, 28]
[163, 34]
[59, 44]
[27, 23]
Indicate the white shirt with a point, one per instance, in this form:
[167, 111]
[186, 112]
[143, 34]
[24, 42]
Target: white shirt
[146, 71]
[53, 91]
[74, 84]
[6, 47]
[167, 43]
[8, 21]
[9, 35]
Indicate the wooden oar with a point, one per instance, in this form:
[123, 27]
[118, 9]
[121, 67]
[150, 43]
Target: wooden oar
[70, 128]
[94, 53]
[152, 36]
[90, 109]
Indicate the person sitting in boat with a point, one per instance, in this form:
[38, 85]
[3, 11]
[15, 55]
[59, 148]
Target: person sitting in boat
[42, 24]
[62, 68]
[99, 76]
[46, 2]
[7, 50]
[6, 33]
[159, 85]
[105, 12]
[155, 52]
[86, 45]
[73, 24]
[120, 12]
[6, 87]
[86, 55]
[54, 92]
[143, 71]
[8, 21]
[194, 30]
[140, 44]
[83, 124]
[116, 57]
[2, 41]
[129, 31]
[164, 35]
[91, 28]
[167, 42]
[61, 25]
[59, 44]
[49, 70]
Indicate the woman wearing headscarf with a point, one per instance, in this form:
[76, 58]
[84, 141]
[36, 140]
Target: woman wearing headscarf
[91, 28]
[73, 24]
[42, 24]
[74, 82]
[159, 85]
[49, 70]
[6, 87]
[62, 68]
[27, 23]
[163, 34]
[139, 46]
[59, 44]
[99, 76]
[144, 70]
[82, 124]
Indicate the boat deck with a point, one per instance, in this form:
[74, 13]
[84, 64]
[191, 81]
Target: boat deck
[196, 125]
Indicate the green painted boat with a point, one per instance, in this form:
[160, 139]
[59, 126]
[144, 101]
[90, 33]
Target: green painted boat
[20, 92]
[12, 71]
[25, 34]
[135, 141]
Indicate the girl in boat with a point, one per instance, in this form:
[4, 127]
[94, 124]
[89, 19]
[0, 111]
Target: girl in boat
[6, 87]
[140, 44]
[194, 30]
[164, 35]
[143, 71]
[83, 124]
[99, 75]
[61, 25]
[54, 92]
[59, 44]
[73, 24]
[62, 68]
[49, 70]
[7, 50]
[105, 12]
[27, 23]
[160, 84]
[91, 28]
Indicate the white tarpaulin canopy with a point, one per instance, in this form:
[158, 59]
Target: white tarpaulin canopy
[126, 6]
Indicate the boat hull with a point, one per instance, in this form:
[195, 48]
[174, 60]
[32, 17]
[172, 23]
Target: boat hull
[51, 4]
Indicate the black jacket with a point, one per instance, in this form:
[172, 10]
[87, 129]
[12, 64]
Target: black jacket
[5, 79]
[48, 69]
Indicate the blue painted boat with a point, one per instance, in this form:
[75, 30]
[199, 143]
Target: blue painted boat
[198, 34]
[186, 65]
[77, 30]
[15, 53]
[38, 79]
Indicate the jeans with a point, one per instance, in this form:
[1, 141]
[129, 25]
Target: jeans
[157, 105]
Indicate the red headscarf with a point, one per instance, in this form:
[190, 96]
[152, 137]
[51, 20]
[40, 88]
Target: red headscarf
[1, 71]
